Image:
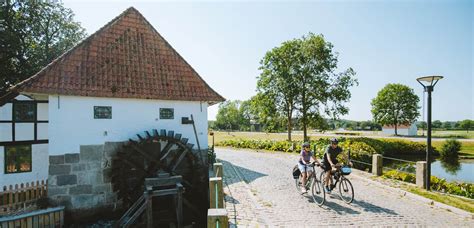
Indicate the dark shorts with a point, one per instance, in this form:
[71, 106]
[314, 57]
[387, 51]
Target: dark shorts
[327, 166]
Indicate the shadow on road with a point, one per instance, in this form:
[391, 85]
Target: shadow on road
[343, 208]
[234, 173]
[368, 207]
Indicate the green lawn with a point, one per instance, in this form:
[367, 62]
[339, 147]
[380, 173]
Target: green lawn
[461, 203]
[450, 134]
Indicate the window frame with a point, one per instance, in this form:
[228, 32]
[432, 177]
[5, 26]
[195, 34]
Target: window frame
[165, 109]
[97, 117]
[16, 118]
[17, 165]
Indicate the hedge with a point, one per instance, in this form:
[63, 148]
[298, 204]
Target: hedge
[438, 184]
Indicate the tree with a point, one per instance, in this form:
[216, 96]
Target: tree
[447, 125]
[436, 124]
[395, 104]
[322, 90]
[265, 113]
[466, 124]
[32, 34]
[277, 82]
[228, 116]
[246, 115]
[301, 75]
[421, 124]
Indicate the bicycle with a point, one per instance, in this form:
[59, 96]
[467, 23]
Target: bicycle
[346, 190]
[317, 193]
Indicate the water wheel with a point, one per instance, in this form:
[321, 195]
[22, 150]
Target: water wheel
[154, 153]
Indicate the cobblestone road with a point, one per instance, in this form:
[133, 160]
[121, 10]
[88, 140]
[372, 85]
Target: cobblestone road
[260, 192]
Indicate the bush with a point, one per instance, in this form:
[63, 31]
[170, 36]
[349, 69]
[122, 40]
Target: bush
[437, 184]
[450, 149]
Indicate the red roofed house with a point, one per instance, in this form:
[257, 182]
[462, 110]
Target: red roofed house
[122, 80]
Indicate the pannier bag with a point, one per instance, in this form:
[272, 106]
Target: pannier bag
[296, 172]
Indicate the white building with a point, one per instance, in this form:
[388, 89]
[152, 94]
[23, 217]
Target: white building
[121, 81]
[405, 130]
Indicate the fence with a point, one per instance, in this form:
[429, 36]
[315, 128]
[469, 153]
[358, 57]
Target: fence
[22, 196]
[217, 214]
[51, 217]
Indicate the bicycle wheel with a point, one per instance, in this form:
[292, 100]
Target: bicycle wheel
[298, 184]
[346, 190]
[317, 192]
[322, 178]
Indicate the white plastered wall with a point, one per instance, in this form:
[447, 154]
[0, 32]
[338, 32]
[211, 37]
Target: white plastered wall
[72, 123]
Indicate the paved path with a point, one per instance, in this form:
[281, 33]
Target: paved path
[260, 193]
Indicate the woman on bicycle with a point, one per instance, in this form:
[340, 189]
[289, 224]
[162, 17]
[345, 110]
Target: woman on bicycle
[330, 162]
[306, 156]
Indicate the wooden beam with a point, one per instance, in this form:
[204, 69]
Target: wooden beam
[216, 193]
[217, 218]
[180, 159]
[149, 211]
[157, 182]
[179, 206]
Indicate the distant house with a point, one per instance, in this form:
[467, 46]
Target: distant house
[405, 129]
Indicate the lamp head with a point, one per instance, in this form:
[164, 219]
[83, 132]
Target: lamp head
[429, 81]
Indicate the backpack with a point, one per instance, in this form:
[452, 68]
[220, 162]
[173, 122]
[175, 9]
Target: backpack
[296, 172]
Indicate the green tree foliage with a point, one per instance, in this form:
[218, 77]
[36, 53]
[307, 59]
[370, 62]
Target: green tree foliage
[466, 125]
[32, 34]
[277, 81]
[322, 90]
[421, 125]
[301, 75]
[447, 125]
[436, 124]
[450, 149]
[228, 116]
[395, 104]
[265, 113]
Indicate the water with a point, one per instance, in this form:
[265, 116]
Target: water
[462, 171]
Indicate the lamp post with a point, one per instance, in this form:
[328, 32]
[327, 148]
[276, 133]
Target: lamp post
[428, 83]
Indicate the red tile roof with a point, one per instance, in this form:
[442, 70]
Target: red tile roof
[127, 58]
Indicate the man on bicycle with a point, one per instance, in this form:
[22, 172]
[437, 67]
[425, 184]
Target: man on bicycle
[330, 162]
[305, 159]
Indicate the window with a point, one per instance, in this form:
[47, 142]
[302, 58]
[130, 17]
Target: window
[166, 113]
[102, 112]
[24, 111]
[17, 159]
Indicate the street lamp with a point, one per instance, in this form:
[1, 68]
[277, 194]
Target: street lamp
[428, 83]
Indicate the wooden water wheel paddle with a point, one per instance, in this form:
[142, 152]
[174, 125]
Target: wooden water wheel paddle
[154, 153]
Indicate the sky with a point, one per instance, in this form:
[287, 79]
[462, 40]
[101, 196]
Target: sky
[383, 41]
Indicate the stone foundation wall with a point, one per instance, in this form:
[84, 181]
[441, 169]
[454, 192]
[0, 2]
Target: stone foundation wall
[82, 182]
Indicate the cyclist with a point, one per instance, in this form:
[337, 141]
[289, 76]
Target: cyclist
[330, 162]
[306, 156]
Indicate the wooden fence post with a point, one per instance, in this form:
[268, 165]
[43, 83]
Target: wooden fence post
[216, 193]
[218, 169]
[217, 218]
[421, 174]
[377, 164]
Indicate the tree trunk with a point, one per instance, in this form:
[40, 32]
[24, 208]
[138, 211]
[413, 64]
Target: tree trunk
[304, 104]
[289, 124]
[305, 133]
[396, 123]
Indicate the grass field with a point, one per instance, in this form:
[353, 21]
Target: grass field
[450, 134]
[467, 148]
